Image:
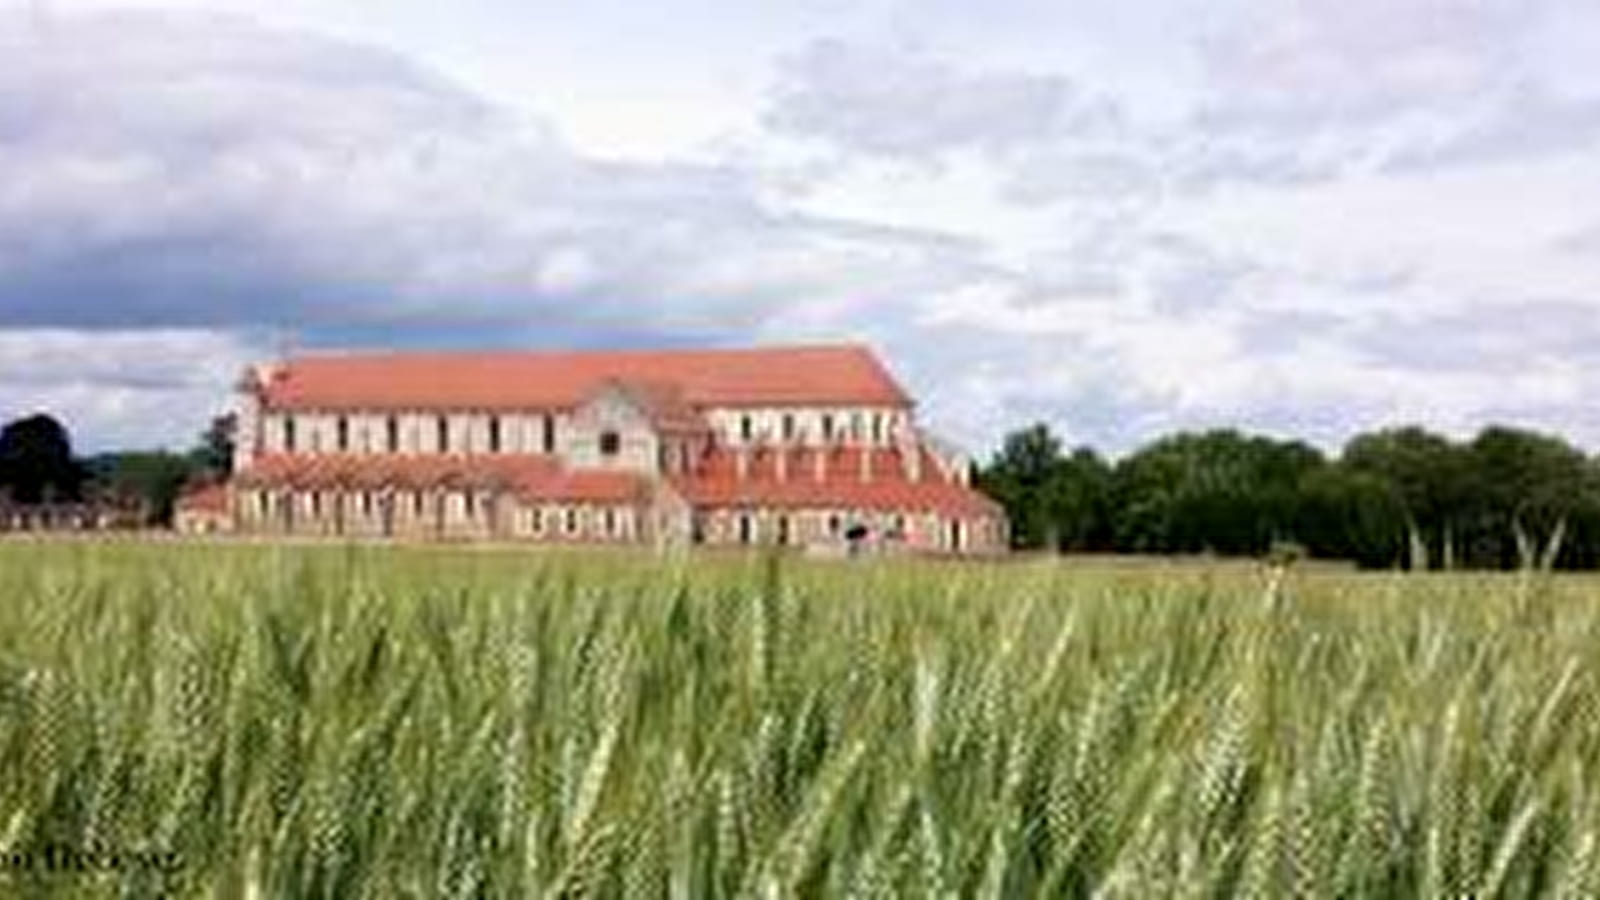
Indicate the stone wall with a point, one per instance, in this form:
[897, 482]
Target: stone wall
[448, 431]
[923, 532]
[425, 515]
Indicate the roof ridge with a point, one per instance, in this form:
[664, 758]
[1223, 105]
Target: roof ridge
[755, 376]
[317, 354]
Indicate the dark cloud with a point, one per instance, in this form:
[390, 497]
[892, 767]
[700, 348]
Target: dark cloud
[182, 171]
[179, 193]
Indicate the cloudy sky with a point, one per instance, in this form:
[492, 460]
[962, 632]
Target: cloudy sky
[1305, 217]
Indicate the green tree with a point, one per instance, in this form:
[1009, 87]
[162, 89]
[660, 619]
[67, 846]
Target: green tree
[1076, 500]
[36, 463]
[151, 479]
[1427, 472]
[1019, 478]
[1054, 501]
[1520, 488]
[214, 454]
[1500, 500]
[1218, 490]
[1354, 515]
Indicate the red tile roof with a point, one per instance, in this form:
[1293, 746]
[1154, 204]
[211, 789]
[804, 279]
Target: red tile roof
[534, 477]
[889, 488]
[211, 498]
[774, 376]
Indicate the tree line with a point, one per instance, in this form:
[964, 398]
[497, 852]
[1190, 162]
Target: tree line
[38, 466]
[1398, 497]
[1395, 497]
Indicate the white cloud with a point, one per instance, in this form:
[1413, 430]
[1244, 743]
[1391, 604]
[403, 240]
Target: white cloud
[1346, 193]
[126, 388]
[1290, 216]
[900, 103]
[169, 171]
[271, 178]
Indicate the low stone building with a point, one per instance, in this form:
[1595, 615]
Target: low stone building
[791, 446]
[203, 509]
[61, 517]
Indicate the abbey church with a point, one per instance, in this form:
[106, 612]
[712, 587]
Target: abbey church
[812, 446]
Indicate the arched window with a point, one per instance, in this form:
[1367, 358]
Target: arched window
[289, 441]
[610, 443]
[443, 428]
[747, 529]
[392, 434]
[494, 434]
[342, 434]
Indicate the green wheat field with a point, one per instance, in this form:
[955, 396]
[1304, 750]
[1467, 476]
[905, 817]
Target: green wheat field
[255, 721]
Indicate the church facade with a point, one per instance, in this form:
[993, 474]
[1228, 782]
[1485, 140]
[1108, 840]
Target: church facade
[801, 446]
